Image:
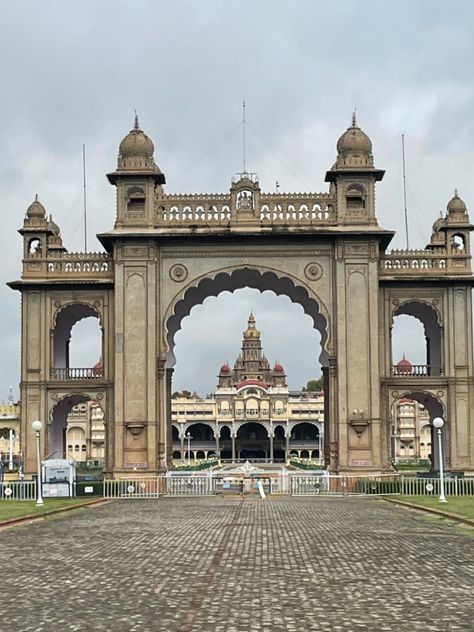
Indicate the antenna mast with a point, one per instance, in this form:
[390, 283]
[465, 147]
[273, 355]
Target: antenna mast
[243, 134]
[84, 195]
[405, 190]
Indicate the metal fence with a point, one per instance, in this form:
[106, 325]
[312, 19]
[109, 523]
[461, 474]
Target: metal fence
[18, 490]
[292, 483]
[453, 486]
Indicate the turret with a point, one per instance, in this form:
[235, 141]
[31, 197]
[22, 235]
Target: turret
[137, 179]
[353, 175]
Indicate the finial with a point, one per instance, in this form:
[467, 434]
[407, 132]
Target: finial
[354, 118]
[136, 126]
[36, 197]
[456, 193]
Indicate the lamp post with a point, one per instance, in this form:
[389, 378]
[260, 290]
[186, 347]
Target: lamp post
[438, 423]
[188, 437]
[37, 425]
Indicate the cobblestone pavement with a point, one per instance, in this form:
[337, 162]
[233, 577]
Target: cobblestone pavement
[238, 565]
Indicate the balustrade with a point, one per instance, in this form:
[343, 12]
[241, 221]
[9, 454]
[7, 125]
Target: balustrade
[78, 374]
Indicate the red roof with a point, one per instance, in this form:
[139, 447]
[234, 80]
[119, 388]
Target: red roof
[404, 364]
[278, 368]
[252, 383]
[225, 368]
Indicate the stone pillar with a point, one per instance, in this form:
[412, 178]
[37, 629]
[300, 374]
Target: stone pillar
[232, 436]
[162, 421]
[271, 444]
[169, 419]
[181, 438]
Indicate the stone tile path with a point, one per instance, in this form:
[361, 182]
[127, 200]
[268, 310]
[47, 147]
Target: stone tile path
[232, 565]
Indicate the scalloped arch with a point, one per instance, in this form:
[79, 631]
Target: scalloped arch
[232, 279]
[433, 404]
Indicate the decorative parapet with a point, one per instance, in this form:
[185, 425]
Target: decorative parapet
[413, 262]
[76, 265]
[278, 208]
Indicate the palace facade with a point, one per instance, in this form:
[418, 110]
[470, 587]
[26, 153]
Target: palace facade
[252, 414]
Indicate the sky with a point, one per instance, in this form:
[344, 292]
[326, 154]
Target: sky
[73, 73]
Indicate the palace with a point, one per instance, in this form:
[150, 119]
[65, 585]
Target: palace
[252, 415]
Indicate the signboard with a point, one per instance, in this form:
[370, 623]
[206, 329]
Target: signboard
[58, 477]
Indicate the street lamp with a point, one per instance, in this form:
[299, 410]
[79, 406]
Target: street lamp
[188, 437]
[37, 425]
[438, 423]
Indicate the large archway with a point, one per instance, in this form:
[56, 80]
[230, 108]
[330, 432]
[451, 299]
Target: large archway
[413, 437]
[253, 442]
[77, 430]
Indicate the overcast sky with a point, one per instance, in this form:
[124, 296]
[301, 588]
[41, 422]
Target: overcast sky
[74, 72]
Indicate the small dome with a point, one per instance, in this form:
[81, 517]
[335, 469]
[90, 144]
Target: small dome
[404, 366]
[98, 368]
[278, 368]
[225, 368]
[53, 226]
[354, 141]
[456, 204]
[36, 209]
[136, 144]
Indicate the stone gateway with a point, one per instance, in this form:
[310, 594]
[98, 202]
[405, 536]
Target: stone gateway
[166, 253]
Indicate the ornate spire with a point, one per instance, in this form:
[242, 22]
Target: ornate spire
[136, 126]
[354, 118]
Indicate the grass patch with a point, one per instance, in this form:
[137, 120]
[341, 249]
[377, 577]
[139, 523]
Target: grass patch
[460, 505]
[10, 509]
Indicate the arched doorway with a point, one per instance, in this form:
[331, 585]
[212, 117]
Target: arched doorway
[305, 438]
[253, 442]
[199, 440]
[77, 343]
[428, 317]
[413, 438]
[77, 430]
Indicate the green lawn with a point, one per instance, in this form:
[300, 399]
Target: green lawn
[18, 508]
[461, 505]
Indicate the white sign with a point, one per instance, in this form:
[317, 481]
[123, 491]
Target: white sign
[88, 490]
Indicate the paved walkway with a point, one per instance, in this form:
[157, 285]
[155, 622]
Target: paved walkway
[232, 565]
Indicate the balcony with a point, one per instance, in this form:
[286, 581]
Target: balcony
[416, 370]
[77, 374]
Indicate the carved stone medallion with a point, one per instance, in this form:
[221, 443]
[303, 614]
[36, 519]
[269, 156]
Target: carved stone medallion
[313, 271]
[178, 272]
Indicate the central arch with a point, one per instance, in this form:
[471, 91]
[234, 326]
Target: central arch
[231, 279]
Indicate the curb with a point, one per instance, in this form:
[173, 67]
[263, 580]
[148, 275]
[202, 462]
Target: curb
[32, 517]
[431, 510]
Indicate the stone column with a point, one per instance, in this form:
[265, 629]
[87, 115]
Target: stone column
[169, 419]
[160, 374]
[271, 444]
[232, 436]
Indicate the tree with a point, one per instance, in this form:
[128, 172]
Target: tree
[314, 385]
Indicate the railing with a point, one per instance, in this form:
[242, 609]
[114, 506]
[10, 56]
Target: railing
[453, 486]
[299, 209]
[203, 485]
[415, 370]
[74, 264]
[139, 487]
[78, 374]
[414, 262]
[18, 490]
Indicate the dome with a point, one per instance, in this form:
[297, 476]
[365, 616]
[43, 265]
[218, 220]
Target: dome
[136, 144]
[53, 226]
[456, 204]
[354, 141]
[404, 366]
[36, 209]
[278, 368]
[225, 368]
